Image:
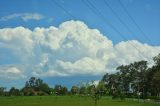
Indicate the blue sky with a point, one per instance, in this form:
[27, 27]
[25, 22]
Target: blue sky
[145, 12]
[31, 14]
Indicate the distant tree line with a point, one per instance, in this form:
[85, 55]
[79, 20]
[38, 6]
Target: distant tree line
[35, 86]
[136, 80]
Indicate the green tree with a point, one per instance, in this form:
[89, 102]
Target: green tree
[155, 77]
[60, 90]
[2, 91]
[64, 90]
[14, 92]
[129, 79]
[156, 83]
[101, 88]
[94, 92]
[157, 60]
[83, 90]
[36, 86]
[74, 90]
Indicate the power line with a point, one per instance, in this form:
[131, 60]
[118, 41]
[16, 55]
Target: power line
[99, 14]
[129, 15]
[121, 21]
[61, 7]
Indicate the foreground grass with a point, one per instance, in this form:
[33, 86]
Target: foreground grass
[66, 101]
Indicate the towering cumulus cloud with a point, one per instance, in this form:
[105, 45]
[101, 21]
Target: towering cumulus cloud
[68, 50]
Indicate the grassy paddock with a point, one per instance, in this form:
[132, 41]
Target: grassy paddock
[65, 101]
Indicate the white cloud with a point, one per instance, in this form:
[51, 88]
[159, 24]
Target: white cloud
[70, 49]
[10, 73]
[131, 51]
[23, 16]
[18, 39]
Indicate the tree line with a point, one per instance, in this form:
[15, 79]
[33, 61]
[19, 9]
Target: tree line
[136, 80]
[35, 86]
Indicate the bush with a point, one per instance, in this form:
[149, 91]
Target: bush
[41, 93]
[154, 97]
[122, 96]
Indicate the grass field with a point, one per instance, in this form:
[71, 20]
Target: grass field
[66, 101]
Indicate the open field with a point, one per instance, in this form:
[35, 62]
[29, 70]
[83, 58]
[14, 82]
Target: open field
[65, 101]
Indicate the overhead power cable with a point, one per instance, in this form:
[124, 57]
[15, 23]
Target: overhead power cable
[129, 15]
[100, 15]
[121, 21]
[61, 7]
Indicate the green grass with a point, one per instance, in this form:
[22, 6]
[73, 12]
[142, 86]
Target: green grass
[66, 101]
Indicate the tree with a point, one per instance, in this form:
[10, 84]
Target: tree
[134, 74]
[44, 87]
[157, 60]
[34, 82]
[113, 84]
[102, 88]
[60, 90]
[36, 86]
[2, 91]
[130, 79]
[156, 83]
[82, 90]
[94, 92]
[74, 90]
[64, 90]
[14, 92]
[154, 76]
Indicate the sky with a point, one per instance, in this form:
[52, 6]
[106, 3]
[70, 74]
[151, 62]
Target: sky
[71, 41]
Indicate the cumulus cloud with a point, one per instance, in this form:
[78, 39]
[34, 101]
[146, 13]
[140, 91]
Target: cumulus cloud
[23, 16]
[70, 49]
[10, 73]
